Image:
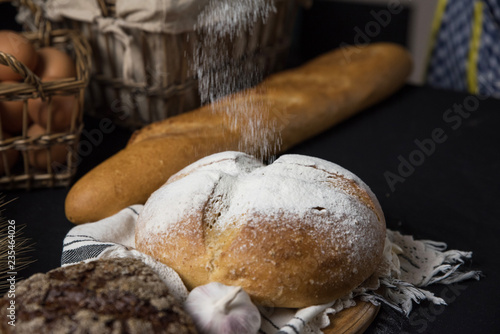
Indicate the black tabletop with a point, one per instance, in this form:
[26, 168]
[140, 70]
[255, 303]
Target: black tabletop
[431, 157]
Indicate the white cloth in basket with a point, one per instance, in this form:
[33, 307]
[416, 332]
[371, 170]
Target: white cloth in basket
[407, 267]
[170, 16]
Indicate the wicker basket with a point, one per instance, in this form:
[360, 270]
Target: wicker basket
[23, 175]
[170, 87]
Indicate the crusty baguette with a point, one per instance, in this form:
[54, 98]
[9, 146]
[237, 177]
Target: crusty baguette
[304, 102]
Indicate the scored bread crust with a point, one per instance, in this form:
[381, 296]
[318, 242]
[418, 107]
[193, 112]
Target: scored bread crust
[301, 231]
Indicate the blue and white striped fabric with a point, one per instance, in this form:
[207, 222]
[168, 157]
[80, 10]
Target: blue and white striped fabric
[465, 47]
[488, 65]
[87, 242]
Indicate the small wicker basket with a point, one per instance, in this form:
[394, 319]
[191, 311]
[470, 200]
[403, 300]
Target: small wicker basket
[23, 174]
[170, 86]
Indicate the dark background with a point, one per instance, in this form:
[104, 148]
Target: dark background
[452, 197]
[328, 25]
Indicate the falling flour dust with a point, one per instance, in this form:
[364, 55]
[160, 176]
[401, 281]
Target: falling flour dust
[223, 71]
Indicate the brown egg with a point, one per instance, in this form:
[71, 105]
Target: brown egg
[62, 109]
[11, 155]
[54, 64]
[21, 48]
[39, 158]
[11, 113]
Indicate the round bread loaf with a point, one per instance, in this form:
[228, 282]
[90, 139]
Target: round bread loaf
[99, 297]
[301, 231]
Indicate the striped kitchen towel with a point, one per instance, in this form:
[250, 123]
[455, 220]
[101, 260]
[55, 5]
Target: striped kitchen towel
[407, 267]
[464, 53]
[111, 238]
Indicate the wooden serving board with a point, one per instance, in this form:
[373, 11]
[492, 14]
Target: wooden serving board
[354, 320]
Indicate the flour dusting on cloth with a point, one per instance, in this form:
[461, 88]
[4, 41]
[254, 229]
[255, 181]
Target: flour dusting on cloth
[408, 266]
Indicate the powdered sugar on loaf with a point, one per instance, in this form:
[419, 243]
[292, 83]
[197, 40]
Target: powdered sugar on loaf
[230, 218]
[288, 185]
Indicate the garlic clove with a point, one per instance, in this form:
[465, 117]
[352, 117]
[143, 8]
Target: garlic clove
[220, 309]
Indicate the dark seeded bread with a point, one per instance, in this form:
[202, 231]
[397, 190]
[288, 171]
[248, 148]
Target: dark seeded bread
[105, 296]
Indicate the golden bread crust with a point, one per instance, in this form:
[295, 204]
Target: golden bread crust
[238, 225]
